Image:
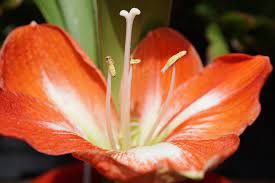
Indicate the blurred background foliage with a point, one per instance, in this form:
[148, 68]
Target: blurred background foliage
[220, 25]
[215, 27]
[246, 26]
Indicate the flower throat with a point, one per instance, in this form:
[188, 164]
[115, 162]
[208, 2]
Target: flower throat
[123, 140]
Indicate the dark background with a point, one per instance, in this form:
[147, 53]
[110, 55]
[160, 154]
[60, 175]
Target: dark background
[244, 26]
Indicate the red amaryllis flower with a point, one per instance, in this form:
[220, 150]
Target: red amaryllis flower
[74, 174]
[181, 123]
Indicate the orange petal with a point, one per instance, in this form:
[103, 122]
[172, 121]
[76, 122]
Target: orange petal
[72, 173]
[223, 99]
[46, 130]
[42, 61]
[174, 160]
[149, 85]
[38, 123]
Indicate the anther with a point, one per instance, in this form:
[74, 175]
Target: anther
[111, 66]
[134, 61]
[172, 60]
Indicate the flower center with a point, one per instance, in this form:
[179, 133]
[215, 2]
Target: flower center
[129, 130]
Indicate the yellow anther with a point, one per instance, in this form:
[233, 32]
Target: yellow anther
[111, 66]
[135, 61]
[172, 60]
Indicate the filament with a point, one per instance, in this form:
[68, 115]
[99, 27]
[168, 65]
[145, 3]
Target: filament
[164, 106]
[108, 113]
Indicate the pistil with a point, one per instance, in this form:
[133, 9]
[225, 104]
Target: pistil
[125, 88]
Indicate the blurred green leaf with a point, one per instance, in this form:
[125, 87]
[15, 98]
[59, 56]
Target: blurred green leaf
[11, 4]
[217, 44]
[249, 33]
[237, 23]
[50, 11]
[79, 18]
[206, 11]
[154, 13]
[81, 21]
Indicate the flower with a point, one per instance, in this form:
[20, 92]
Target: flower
[73, 173]
[182, 123]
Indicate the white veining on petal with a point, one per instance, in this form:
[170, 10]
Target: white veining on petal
[156, 152]
[191, 129]
[207, 101]
[69, 102]
[151, 110]
[56, 127]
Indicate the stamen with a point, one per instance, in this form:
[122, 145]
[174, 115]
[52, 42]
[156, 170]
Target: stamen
[135, 61]
[125, 88]
[111, 66]
[164, 107]
[111, 73]
[170, 62]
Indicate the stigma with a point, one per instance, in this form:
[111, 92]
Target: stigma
[130, 15]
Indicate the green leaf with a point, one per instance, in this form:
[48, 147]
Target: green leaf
[80, 18]
[237, 23]
[154, 13]
[50, 11]
[217, 44]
